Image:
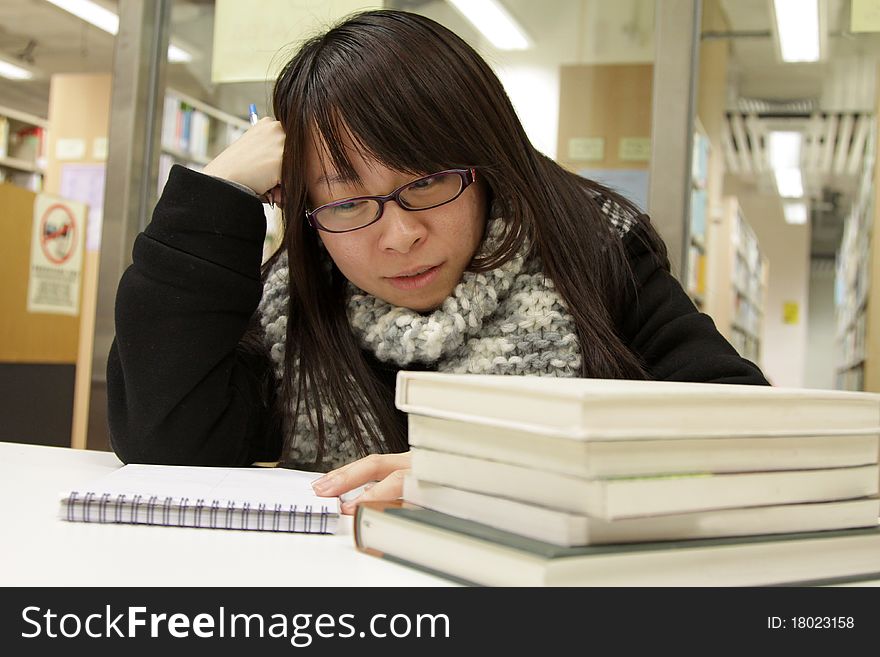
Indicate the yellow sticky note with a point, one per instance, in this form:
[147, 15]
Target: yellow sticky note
[790, 311]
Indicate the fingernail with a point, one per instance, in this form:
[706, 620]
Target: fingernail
[324, 484]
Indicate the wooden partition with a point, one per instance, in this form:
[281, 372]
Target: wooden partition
[27, 337]
[611, 102]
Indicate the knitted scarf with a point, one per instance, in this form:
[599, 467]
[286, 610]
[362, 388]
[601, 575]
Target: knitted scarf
[510, 320]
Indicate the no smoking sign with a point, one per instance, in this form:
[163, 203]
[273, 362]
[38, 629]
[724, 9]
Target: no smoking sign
[57, 241]
[58, 233]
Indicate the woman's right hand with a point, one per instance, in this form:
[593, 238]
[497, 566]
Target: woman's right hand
[254, 159]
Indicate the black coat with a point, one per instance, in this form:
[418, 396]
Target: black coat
[182, 390]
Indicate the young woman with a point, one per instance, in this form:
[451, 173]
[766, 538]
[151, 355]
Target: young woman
[422, 231]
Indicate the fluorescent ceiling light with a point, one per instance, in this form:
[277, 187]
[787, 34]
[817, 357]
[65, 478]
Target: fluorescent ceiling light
[14, 72]
[109, 22]
[90, 12]
[785, 159]
[797, 24]
[789, 182]
[795, 213]
[785, 149]
[493, 21]
[178, 54]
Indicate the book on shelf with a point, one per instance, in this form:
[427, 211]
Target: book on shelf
[233, 132]
[570, 452]
[4, 136]
[700, 160]
[699, 209]
[624, 497]
[571, 529]
[28, 143]
[31, 181]
[475, 553]
[185, 129]
[623, 410]
[265, 499]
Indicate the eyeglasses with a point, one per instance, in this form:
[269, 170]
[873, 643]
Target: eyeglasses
[421, 194]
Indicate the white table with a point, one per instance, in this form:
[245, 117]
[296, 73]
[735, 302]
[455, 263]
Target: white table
[37, 548]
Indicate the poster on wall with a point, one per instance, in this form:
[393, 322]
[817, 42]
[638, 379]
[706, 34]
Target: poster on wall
[57, 241]
[85, 182]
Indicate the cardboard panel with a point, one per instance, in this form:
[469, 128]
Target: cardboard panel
[26, 337]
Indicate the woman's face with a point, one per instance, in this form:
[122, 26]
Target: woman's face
[377, 257]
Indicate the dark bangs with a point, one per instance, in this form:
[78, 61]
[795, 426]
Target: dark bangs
[399, 95]
[411, 103]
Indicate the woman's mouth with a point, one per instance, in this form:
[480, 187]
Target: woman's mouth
[416, 279]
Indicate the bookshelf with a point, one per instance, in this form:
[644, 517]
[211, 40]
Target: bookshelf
[193, 134]
[852, 286]
[699, 209]
[22, 149]
[738, 276]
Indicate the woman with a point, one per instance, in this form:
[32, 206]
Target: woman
[422, 231]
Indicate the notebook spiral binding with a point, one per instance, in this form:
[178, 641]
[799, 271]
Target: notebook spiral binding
[183, 512]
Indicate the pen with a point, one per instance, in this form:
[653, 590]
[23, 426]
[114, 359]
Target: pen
[252, 111]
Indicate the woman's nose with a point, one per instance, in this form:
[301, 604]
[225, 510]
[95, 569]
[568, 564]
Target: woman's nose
[401, 229]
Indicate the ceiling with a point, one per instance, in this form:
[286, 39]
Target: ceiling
[48, 40]
[831, 102]
[43, 38]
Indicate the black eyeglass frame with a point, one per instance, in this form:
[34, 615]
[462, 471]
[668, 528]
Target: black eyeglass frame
[468, 176]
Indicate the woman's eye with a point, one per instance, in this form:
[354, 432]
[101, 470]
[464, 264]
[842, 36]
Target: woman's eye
[351, 206]
[423, 184]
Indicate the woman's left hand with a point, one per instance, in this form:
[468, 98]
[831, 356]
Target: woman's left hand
[386, 470]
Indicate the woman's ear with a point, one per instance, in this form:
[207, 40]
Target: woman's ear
[493, 209]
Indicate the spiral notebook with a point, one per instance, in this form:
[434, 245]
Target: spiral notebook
[263, 499]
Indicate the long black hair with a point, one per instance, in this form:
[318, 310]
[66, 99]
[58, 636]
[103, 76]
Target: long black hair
[415, 97]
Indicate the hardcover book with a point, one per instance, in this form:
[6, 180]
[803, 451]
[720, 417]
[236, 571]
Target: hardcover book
[470, 552]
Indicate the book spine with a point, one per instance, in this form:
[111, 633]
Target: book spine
[186, 135]
[4, 135]
[169, 122]
[184, 512]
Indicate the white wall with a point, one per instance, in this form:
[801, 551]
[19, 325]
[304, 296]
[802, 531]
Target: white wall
[821, 328]
[619, 32]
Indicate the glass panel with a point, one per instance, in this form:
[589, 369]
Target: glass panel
[200, 117]
[55, 82]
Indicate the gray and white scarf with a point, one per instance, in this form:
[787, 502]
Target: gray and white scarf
[510, 320]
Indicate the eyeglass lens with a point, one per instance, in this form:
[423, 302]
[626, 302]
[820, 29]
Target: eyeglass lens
[421, 194]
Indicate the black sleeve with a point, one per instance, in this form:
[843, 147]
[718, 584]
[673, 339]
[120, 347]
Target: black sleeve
[182, 387]
[661, 325]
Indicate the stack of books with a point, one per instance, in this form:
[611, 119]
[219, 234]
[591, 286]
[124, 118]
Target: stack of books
[544, 481]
